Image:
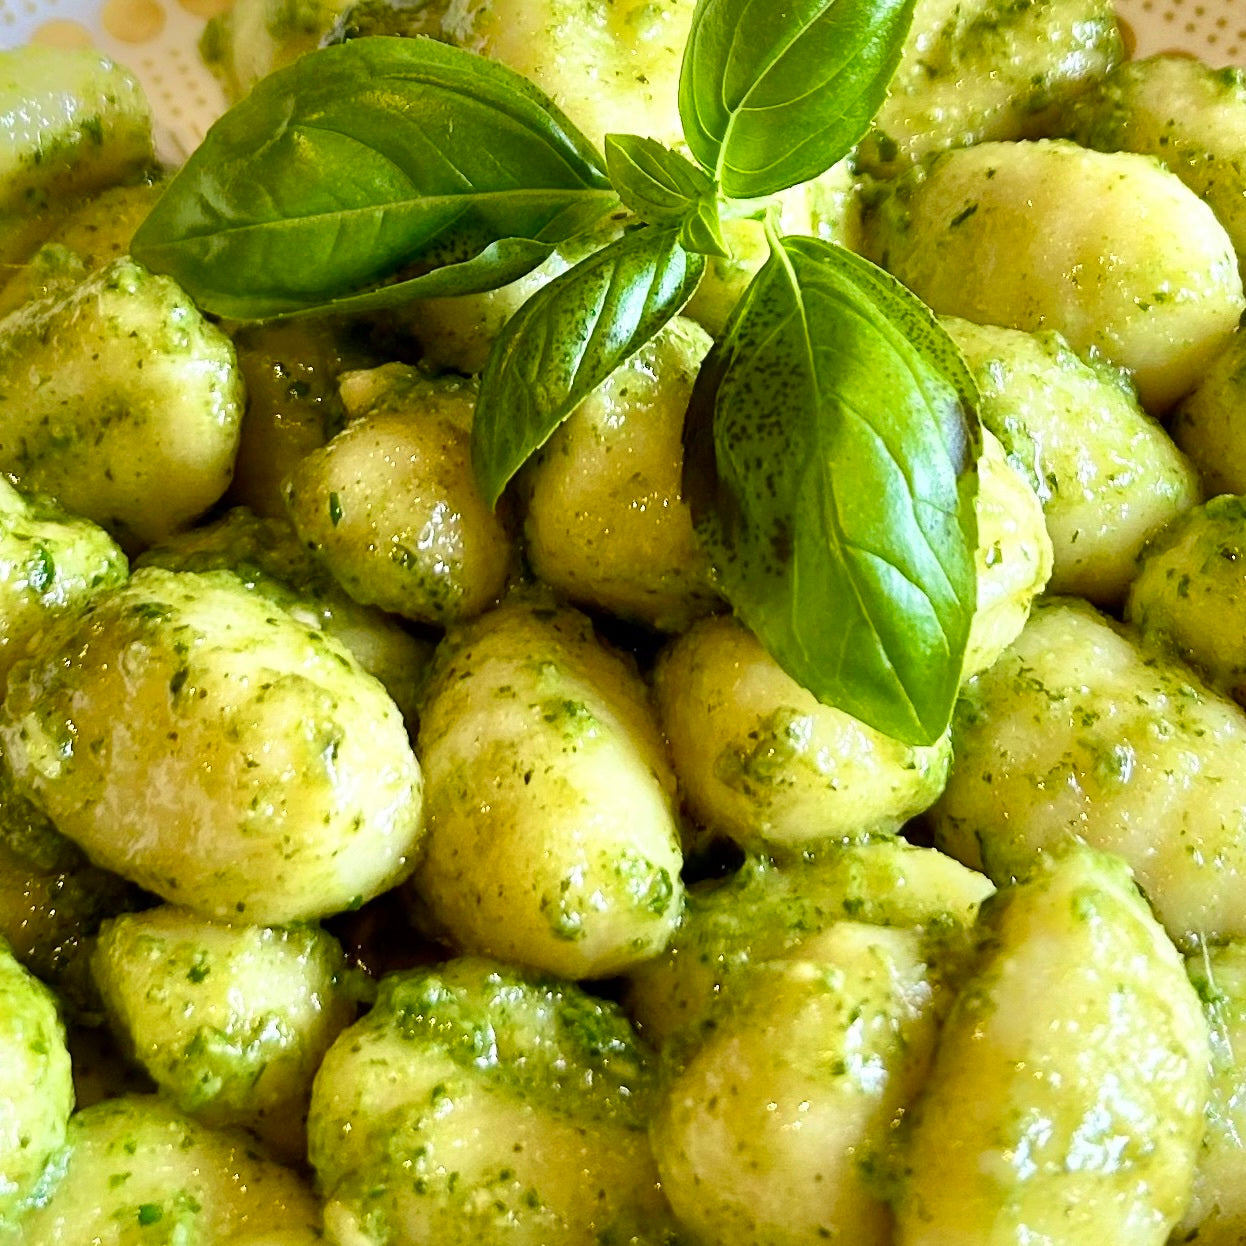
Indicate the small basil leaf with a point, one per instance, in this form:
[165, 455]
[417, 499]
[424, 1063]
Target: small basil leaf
[362, 159]
[830, 455]
[659, 186]
[702, 230]
[772, 96]
[567, 339]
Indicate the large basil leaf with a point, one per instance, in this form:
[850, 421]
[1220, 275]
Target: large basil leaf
[567, 338]
[772, 95]
[377, 157]
[830, 450]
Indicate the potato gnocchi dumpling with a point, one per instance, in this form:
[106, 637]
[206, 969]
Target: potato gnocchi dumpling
[74, 122]
[210, 748]
[760, 760]
[36, 1091]
[1208, 425]
[84, 241]
[1065, 1103]
[138, 1172]
[1189, 596]
[253, 37]
[606, 523]
[611, 65]
[231, 1022]
[973, 70]
[552, 840]
[120, 399]
[477, 1104]
[775, 1131]
[765, 913]
[390, 505]
[1216, 1215]
[1013, 559]
[50, 564]
[1106, 473]
[1110, 250]
[1079, 733]
[1189, 115]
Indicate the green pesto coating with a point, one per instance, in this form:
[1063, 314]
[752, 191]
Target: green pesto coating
[1066, 1099]
[139, 1173]
[478, 1104]
[1188, 596]
[36, 1091]
[120, 399]
[214, 750]
[974, 70]
[1080, 733]
[766, 913]
[267, 556]
[1217, 1213]
[1189, 115]
[1107, 474]
[231, 1022]
[71, 121]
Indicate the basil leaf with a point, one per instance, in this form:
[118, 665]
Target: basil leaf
[360, 160]
[830, 453]
[567, 339]
[497, 265]
[771, 96]
[659, 185]
[702, 230]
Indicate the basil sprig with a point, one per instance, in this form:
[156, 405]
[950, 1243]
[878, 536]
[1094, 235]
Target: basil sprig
[831, 439]
[359, 161]
[659, 185]
[829, 462]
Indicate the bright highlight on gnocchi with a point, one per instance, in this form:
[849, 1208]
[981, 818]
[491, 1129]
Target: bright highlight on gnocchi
[621, 623]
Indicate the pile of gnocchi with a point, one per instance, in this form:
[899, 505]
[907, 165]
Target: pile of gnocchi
[385, 869]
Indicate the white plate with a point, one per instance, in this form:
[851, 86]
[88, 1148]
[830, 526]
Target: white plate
[158, 40]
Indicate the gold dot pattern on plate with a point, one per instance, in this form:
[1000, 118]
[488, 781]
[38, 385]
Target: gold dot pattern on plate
[62, 33]
[133, 21]
[1214, 30]
[205, 8]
